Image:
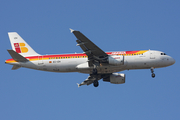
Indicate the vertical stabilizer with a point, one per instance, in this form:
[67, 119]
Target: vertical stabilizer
[20, 46]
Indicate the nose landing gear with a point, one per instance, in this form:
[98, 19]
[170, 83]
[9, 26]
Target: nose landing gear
[152, 71]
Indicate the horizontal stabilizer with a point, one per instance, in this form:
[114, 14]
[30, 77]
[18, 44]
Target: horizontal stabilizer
[15, 67]
[16, 56]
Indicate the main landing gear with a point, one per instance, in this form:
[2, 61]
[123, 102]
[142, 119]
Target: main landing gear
[94, 72]
[96, 83]
[152, 71]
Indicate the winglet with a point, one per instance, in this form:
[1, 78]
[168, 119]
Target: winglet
[71, 30]
[78, 85]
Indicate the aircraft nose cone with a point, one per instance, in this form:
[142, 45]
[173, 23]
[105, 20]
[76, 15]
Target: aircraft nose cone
[172, 60]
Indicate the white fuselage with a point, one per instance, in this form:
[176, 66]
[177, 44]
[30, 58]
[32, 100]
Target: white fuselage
[149, 59]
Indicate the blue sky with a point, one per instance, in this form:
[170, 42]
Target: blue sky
[114, 25]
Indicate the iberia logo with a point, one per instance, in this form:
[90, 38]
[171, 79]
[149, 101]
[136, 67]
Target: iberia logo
[20, 48]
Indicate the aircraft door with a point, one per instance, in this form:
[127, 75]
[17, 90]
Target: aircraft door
[152, 55]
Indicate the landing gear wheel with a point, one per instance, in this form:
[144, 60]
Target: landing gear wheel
[153, 75]
[94, 71]
[152, 71]
[96, 83]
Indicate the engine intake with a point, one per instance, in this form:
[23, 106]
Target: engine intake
[115, 78]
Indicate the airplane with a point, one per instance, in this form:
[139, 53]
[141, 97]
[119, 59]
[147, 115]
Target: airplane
[93, 61]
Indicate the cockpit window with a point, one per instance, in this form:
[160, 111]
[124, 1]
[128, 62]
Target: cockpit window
[163, 53]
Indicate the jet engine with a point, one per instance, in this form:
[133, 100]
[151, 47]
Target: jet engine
[116, 60]
[115, 78]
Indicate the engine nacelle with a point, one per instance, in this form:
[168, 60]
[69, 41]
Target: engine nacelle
[116, 60]
[115, 78]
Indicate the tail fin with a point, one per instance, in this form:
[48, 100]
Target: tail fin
[20, 46]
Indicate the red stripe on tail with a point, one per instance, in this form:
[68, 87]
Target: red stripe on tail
[17, 48]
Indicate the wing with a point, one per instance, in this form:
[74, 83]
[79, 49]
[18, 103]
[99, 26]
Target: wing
[88, 81]
[90, 49]
[95, 56]
[91, 78]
